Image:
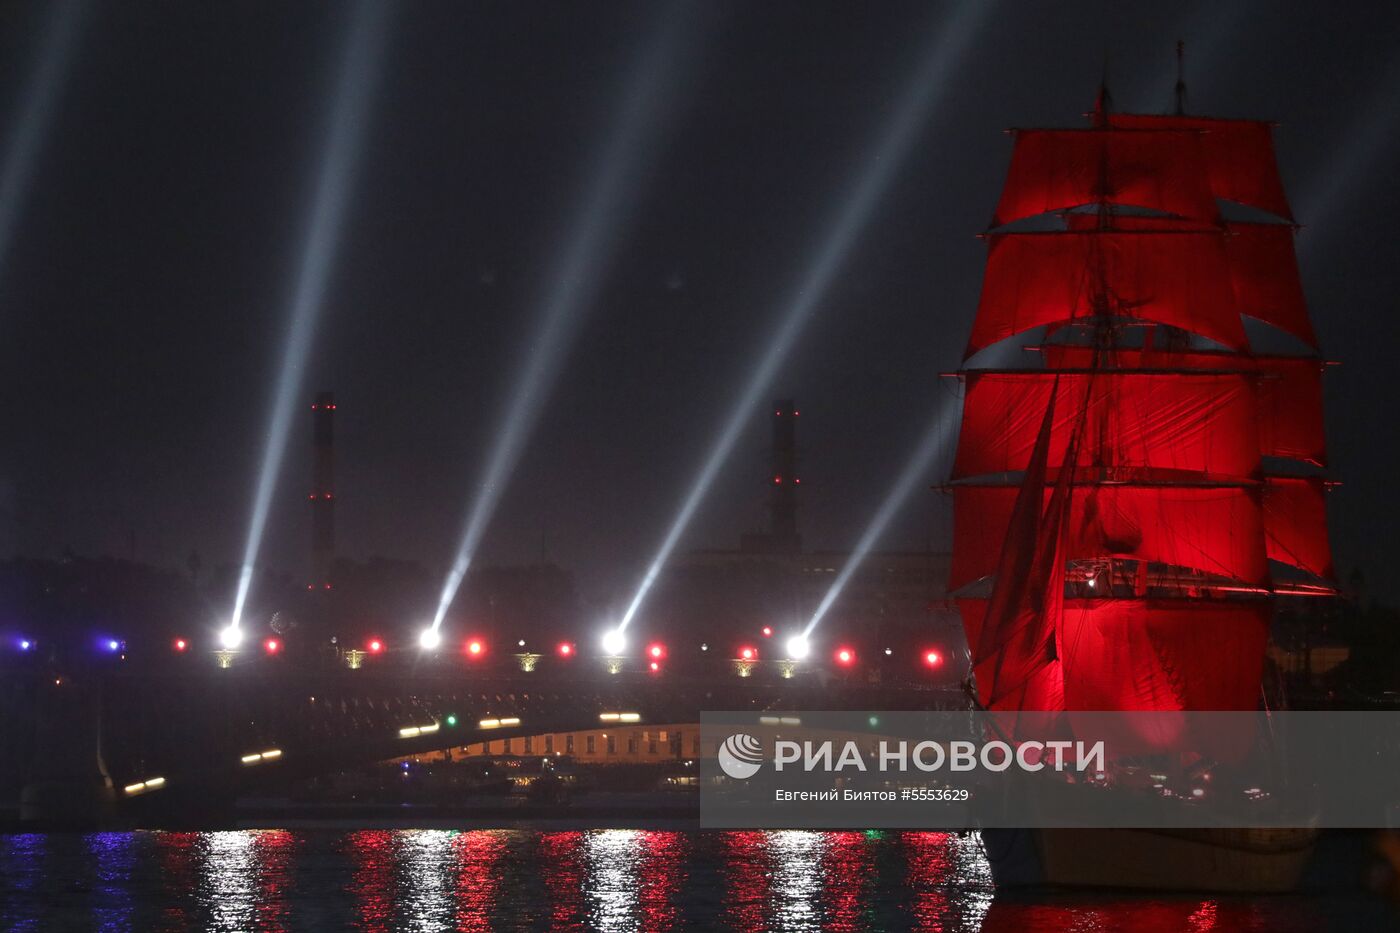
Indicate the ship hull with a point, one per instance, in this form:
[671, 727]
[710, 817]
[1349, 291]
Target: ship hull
[1239, 861]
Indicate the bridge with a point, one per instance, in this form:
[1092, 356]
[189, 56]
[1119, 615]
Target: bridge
[126, 743]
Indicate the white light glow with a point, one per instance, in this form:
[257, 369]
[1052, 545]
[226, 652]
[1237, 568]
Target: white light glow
[614, 642]
[430, 638]
[231, 637]
[798, 647]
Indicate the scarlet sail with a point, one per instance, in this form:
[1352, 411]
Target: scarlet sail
[1125, 515]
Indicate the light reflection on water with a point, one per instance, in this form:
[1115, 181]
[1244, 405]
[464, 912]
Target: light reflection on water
[613, 880]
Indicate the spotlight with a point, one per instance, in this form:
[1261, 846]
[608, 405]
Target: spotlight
[845, 656]
[566, 649]
[475, 648]
[933, 658]
[430, 638]
[272, 646]
[747, 653]
[231, 637]
[180, 644]
[614, 642]
[375, 646]
[798, 647]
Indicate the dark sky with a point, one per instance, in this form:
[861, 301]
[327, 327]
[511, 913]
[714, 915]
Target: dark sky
[146, 288]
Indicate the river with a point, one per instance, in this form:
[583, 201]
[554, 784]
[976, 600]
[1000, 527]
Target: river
[612, 880]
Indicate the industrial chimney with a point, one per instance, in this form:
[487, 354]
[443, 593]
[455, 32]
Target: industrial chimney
[322, 491]
[781, 536]
[782, 505]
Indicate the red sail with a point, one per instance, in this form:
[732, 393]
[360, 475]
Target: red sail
[1264, 272]
[1263, 266]
[1034, 279]
[1239, 156]
[1295, 521]
[1170, 654]
[1013, 655]
[1288, 389]
[1052, 170]
[1191, 422]
[1290, 409]
[1215, 530]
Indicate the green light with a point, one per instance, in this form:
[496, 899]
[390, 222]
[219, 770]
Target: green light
[874, 721]
[452, 719]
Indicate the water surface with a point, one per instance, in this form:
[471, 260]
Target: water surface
[613, 880]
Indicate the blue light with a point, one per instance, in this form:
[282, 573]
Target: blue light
[877, 169]
[25, 644]
[359, 71]
[111, 645]
[590, 240]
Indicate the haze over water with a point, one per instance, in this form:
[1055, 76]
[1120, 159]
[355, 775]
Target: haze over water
[613, 880]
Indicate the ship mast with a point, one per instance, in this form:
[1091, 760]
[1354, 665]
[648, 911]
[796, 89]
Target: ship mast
[1163, 461]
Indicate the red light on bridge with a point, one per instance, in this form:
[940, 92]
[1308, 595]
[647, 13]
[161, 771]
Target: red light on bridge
[655, 666]
[767, 631]
[272, 646]
[933, 658]
[475, 648]
[777, 481]
[180, 644]
[845, 656]
[566, 649]
[656, 650]
[747, 653]
[375, 646]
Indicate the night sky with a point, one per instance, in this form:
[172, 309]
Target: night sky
[145, 292]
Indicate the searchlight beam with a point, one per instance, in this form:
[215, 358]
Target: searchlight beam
[915, 471]
[590, 240]
[879, 167]
[36, 113]
[343, 143]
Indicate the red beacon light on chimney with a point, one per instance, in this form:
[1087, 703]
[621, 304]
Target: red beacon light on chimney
[566, 649]
[748, 653]
[375, 646]
[656, 651]
[475, 648]
[933, 658]
[845, 656]
[272, 646]
[180, 644]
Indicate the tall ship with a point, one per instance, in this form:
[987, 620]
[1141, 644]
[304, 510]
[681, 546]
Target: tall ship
[1140, 474]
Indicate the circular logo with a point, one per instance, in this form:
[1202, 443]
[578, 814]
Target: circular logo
[740, 756]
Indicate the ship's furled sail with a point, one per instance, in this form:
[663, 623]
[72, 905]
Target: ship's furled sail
[1126, 513]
